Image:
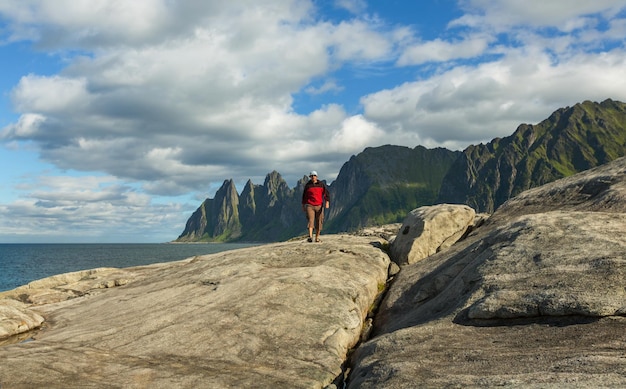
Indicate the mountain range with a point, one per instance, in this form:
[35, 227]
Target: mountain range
[382, 184]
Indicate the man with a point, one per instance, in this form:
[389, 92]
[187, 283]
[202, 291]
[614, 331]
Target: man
[314, 199]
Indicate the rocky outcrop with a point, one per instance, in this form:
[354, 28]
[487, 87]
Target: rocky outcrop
[277, 211]
[601, 189]
[430, 229]
[536, 297]
[278, 315]
[16, 318]
[65, 286]
[554, 264]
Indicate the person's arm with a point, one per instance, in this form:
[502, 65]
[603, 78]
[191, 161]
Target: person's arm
[326, 197]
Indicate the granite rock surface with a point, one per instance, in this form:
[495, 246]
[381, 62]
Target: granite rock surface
[277, 315]
[536, 297]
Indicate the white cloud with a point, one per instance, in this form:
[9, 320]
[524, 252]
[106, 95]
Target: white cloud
[26, 127]
[439, 50]
[50, 94]
[506, 14]
[357, 41]
[327, 86]
[84, 21]
[354, 6]
[195, 105]
[356, 134]
[173, 97]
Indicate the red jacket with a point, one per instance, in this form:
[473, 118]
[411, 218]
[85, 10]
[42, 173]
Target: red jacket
[315, 193]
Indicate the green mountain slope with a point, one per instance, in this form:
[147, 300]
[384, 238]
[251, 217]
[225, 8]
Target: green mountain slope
[571, 140]
[382, 184]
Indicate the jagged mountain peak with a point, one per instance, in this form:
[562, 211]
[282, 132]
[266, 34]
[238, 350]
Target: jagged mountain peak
[226, 187]
[274, 183]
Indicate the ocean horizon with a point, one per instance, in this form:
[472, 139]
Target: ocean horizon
[21, 263]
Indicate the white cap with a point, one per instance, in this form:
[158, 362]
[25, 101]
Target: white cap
[313, 173]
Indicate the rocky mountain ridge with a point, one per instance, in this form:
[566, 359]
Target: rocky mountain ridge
[378, 186]
[571, 140]
[382, 184]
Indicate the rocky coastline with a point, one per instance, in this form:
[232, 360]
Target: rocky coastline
[531, 296]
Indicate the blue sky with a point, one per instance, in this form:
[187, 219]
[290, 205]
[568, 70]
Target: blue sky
[118, 118]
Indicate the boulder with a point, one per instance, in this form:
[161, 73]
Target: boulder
[430, 229]
[536, 297]
[68, 285]
[17, 318]
[277, 315]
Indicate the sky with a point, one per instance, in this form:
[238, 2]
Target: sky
[118, 118]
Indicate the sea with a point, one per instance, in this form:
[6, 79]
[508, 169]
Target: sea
[23, 263]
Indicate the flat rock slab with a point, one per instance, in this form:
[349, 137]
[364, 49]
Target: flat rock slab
[537, 354]
[539, 301]
[277, 315]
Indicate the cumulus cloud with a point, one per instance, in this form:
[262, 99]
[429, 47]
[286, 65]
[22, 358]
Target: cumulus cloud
[356, 133]
[208, 94]
[173, 97]
[26, 127]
